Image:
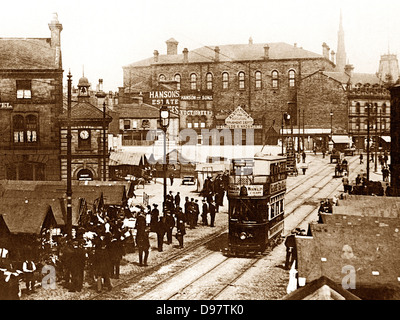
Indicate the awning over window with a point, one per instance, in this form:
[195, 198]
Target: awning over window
[386, 138]
[342, 139]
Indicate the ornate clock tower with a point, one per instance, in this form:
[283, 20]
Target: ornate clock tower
[89, 130]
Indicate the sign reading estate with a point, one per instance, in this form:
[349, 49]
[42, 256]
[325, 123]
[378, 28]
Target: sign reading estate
[169, 98]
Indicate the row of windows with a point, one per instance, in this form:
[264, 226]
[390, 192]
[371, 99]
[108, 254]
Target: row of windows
[373, 108]
[25, 129]
[241, 78]
[379, 126]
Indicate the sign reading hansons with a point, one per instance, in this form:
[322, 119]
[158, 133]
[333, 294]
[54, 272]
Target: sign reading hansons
[169, 98]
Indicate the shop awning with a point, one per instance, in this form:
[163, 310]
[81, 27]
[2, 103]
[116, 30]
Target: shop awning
[386, 138]
[126, 158]
[342, 139]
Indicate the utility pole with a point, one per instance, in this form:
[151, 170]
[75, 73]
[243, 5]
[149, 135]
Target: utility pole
[69, 159]
[368, 124]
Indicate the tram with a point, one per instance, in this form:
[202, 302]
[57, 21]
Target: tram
[256, 196]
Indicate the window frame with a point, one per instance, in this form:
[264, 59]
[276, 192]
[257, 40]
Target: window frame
[241, 80]
[292, 78]
[209, 81]
[258, 80]
[275, 79]
[24, 89]
[178, 79]
[225, 80]
[193, 81]
[25, 132]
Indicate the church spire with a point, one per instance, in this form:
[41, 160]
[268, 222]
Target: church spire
[340, 52]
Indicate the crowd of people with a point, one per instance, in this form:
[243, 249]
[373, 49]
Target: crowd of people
[105, 234]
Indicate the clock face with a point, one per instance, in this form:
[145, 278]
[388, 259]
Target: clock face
[84, 134]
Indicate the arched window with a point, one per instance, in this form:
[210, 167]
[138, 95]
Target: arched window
[209, 81]
[358, 108]
[225, 80]
[275, 79]
[162, 77]
[193, 81]
[177, 78]
[292, 78]
[241, 77]
[258, 79]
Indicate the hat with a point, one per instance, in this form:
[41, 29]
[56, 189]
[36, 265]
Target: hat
[155, 204]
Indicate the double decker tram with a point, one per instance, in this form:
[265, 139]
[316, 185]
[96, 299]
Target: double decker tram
[256, 196]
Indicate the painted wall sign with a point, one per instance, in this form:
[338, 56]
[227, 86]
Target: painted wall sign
[169, 98]
[195, 97]
[5, 105]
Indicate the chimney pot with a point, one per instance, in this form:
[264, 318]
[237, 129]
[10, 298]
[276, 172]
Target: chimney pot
[217, 50]
[155, 53]
[185, 55]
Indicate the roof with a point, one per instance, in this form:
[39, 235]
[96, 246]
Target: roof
[366, 246]
[114, 192]
[322, 288]
[369, 206]
[25, 216]
[127, 158]
[362, 78]
[84, 110]
[29, 53]
[234, 52]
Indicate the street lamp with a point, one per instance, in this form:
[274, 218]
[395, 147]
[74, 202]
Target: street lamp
[164, 123]
[101, 98]
[285, 120]
[69, 160]
[331, 114]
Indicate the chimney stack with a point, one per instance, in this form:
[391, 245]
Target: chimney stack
[348, 69]
[325, 50]
[185, 55]
[172, 46]
[55, 27]
[155, 54]
[333, 56]
[266, 52]
[250, 40]
[217, 53]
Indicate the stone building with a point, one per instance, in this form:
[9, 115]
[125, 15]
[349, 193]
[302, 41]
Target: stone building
[89, 143]
[31, 101]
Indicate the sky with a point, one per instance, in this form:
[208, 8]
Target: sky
[99, 37]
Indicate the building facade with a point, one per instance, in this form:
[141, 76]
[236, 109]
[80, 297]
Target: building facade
[31, 101]
[89, 142]
[262, 79]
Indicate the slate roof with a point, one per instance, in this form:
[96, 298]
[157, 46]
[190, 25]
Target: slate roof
[28, 53]
[25, 216]
[321, 288]
[233, 52]
[362, 78]
[369, 245]
[85, 111]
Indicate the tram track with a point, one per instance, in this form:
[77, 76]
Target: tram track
[221, 288]
[204, 254]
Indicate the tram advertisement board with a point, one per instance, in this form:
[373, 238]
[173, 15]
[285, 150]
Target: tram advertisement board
[246, 190]
[277, 186]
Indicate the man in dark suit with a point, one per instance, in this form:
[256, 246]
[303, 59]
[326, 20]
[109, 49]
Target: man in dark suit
[212, 213]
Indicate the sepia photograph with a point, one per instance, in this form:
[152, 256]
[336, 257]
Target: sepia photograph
[199, 157]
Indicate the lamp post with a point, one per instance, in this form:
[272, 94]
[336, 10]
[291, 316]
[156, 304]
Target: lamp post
[164, 123]
[69, 160]
[101, 98]
[331, 138]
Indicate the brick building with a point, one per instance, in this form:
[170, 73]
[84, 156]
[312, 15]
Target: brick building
[30, 103]
[263, 79]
